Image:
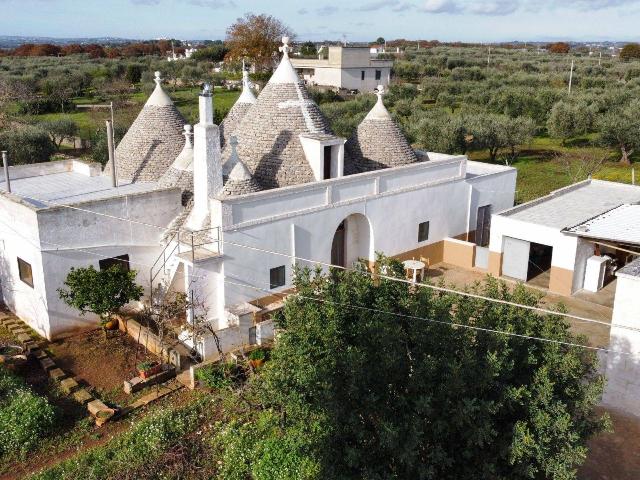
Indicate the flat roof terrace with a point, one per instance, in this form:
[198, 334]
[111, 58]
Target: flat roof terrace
[66, 182]
[575, 204]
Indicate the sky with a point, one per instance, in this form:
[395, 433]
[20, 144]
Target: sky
[353, 20]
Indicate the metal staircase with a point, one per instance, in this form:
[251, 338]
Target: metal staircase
[183, 245]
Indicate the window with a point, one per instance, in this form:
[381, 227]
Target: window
[483, 226]
[378, 74]
[121, 261]
[423, 231]
[362, 75]
[24, 270]
[276, 277]
[327, 162]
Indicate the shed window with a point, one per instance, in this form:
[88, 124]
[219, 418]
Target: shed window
[362, 75]
[121, 261]
[276, 277]
[378, 74]
[25, 272]
[423, 231]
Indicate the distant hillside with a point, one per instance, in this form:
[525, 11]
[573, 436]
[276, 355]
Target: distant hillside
[14, 41]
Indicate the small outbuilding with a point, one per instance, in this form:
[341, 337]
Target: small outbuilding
[572, 239]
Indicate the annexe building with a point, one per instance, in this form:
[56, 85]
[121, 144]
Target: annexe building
[226, 224]
[345, 67]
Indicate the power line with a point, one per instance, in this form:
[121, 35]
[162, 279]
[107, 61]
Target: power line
[422, 285]
[437, 288]
[432, 320]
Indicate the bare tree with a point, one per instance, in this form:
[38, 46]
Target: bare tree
[582, 164]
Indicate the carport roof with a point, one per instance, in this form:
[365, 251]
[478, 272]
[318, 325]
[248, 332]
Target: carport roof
[575, 204]
[620, 224]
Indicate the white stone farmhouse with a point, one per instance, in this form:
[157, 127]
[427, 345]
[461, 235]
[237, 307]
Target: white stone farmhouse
[225, 216]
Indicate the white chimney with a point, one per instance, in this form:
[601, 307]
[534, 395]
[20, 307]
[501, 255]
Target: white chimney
[207, 161]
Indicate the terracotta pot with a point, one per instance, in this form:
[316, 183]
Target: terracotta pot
[150, 371]
[111, 325]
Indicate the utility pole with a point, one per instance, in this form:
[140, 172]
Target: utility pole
[600, 58]
[489, 56]
[110, 137]
[571, 76]
[5, 162]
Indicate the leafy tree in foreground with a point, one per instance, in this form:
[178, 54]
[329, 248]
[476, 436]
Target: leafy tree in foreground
[103, 292]
[361, 386]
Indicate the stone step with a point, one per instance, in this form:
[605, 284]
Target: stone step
[47, 364]
[69, 385]
[82, 396]
[57, 374]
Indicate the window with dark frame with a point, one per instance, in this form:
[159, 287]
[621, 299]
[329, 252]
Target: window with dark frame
[277, 277]
[327, 162]
[362, 75]
[378, 74]
[25, 272]
[423, 231]
[121, 261]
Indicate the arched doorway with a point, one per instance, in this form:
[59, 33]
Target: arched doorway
[352, 241]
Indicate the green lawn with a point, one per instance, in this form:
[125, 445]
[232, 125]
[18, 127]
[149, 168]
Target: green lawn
[539, 172]
[186, 99]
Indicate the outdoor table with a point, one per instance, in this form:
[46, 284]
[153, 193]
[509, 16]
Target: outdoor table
[414, 265]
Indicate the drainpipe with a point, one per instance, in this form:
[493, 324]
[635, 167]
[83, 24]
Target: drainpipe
[112, 157]
[5, 162]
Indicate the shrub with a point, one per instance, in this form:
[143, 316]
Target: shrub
[27, 145]
[218, 375]
[24, 416]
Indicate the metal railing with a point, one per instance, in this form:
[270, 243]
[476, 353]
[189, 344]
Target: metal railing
[183, 241]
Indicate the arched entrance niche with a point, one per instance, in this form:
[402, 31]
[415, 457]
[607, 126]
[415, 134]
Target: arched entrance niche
[352, 240]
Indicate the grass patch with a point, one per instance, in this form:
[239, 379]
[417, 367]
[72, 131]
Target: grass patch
[146, 441]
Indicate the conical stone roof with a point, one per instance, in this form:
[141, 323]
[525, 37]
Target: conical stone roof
[245, 101]
[153, 141]
[180, 173]
[268, 136]
[240, 181]
[378, 142]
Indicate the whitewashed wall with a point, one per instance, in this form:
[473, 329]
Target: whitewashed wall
[302, 220]
[53, 240]
[623, 370]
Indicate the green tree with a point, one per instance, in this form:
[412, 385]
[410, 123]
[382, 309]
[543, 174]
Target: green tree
[362, 385]
[568, 120]
[133, 73]
[619, 129]
[60, 130]
[380, 40]
[27, 145]
[214, 53]
[630, 51]
[446, 134]
[308, 49]
[103, 292]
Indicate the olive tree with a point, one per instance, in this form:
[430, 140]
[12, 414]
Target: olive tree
[59, 130]
[619, 129]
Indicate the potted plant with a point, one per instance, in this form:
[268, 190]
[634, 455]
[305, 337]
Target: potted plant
[257, 358]
[148, 368]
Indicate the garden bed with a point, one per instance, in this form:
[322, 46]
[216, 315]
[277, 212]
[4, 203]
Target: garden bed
[102, 362]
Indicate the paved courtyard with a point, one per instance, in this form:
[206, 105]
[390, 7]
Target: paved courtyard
[584, 304]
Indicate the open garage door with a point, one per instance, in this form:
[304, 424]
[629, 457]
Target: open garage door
[515, 259]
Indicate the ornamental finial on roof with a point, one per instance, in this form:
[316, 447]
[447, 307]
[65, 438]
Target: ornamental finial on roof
[206, 90]
[380, 91]
[245, 77]
[187, 134]
[285, 48]
[158, 78]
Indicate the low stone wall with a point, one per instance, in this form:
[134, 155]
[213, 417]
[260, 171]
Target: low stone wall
[150, 340]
